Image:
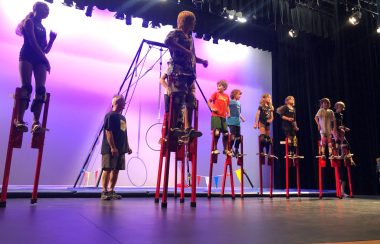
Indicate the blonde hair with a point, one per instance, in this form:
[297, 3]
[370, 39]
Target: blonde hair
[289, 98]
[235, 92]
[340, 103]
[262, 102]
[223, 83]
[185, 18]
[21, 25]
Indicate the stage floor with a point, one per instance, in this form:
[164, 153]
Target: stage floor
[68, 191]
[215, 220]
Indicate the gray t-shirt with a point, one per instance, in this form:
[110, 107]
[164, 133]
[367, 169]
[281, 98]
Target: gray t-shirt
[325, 118]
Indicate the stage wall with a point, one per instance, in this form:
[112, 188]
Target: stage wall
[89, 61]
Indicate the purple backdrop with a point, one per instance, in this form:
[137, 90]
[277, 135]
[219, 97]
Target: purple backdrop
[89, 61]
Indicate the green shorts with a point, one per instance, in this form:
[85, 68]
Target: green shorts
[219, 123]
[109, 162]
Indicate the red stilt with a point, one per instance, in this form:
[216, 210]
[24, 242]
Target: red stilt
[228, 164]
[261, 162]
[175, 173]
[349, 179]
[321, 164]
[271, 163]
[182, 158]
[287, 165]
[14, 141]
[193, 154]
[298, 173]
[213, 159]
[38, 140]
[162, 153]
[240, 162]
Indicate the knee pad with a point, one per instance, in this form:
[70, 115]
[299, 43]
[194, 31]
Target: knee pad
[39, 98]
[26, 90]
[262, 139]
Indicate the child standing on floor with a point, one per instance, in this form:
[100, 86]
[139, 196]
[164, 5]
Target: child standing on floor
[263, 119]
[233, 121]
[324, 119]
[219, 103]
[287, 113]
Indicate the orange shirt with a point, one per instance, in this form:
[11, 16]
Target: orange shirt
[220, 102]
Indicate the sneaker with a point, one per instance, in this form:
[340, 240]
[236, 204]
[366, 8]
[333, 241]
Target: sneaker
[345, 195]
[177, 132]
[36, 127]
[272, 156]
[115, 196]
[227, 152]
[215, 151]
[331, 157]
[262, 154]
[21, 126]
[105, 196]
[193, 133]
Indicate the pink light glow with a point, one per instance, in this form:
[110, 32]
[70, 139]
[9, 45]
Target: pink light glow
[89, 61]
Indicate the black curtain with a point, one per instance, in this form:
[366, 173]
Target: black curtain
[347, 69]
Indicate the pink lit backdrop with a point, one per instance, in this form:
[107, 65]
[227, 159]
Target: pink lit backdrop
[89, 61]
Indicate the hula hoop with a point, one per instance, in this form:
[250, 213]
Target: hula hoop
[146, 138]
[146, 171]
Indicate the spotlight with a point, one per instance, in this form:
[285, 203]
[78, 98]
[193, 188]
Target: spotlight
[119, 15]
[293, 33]
[378, 29]
[354, 19]
[145, 23]
[198, 35]
[68, 3]
[49, 1]
[215, 40]
[206, 37]
[89, 10]
[128, 19]
[224, 13]
[80, 6]
[240, 18]
[231, 14]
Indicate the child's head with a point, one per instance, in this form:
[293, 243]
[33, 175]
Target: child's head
[118, 102]
[186, 21]
[41, 10]
[325, 103]
[222, 85]
[339, 106]
[266, 100]
[289, 100]
[235, 94]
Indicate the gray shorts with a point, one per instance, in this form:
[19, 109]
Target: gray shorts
[111, 163]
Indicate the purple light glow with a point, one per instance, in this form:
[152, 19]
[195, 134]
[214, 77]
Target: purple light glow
[89, 61]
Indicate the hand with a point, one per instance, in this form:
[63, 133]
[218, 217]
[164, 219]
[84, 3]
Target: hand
[52, 35]
[47, 64]
[205, 63]
[129, 151]
[319, 127]
[255, 126]
[290, 119]
[296, 128]
[242, 120]
[114, 152]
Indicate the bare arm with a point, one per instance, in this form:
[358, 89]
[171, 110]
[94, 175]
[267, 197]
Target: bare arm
[52, 37]
[111, 143]
[228, 111]
[316, 121]
[242, 118]
[163, 81]
[256, 124]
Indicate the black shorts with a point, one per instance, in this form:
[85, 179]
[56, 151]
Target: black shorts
[235, 130]
[288, 131]
[111, 163]
[31, 57]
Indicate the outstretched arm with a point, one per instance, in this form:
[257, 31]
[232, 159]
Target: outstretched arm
[256, 124]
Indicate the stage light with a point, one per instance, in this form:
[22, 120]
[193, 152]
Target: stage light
[198, 35]
[378, 29]
[224, 13]
[128, 19]
[240, 18]
[354, 19]
[293, 33]
[119, 15]
[215, 40]
[49, 1]
[80, 6]
[145, 23]
[68, 3]
[89, 10]
[207, 37]
[231, 14]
